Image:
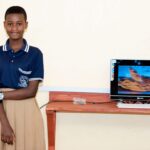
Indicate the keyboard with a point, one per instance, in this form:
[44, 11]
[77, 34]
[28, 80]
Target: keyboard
[144, 105]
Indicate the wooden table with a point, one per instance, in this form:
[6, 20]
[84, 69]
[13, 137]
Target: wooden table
[95, 103]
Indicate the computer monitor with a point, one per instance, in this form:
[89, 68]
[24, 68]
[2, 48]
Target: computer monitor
[130, 79]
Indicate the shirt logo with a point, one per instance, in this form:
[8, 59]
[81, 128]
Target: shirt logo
[23, 81]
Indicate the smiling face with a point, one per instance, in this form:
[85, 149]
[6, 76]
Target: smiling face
[15, 25]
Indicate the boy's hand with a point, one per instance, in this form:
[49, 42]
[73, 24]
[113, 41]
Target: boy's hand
[7, 134]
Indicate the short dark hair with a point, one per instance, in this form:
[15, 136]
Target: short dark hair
[16, 10]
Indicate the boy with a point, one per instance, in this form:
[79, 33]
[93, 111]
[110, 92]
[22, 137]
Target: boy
[21, 70]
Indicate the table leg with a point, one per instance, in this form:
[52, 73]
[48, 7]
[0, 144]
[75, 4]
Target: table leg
[51, 122]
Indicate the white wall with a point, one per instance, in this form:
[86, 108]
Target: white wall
[102, 132]
[78, 38]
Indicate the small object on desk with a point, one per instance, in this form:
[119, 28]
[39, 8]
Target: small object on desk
[78, 100]
[133, 105]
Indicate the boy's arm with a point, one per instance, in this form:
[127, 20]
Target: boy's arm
[7, 134]
[20, 94]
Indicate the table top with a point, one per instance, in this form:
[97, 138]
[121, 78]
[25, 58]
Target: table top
[104, 107]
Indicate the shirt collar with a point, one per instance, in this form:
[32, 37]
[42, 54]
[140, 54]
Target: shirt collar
[25, 47]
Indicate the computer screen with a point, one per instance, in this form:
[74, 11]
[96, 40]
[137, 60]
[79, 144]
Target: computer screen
[130, 79]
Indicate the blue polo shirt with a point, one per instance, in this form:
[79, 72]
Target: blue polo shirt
[18, 68]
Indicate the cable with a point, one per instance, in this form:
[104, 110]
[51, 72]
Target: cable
[44, 105]
[69, 101]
